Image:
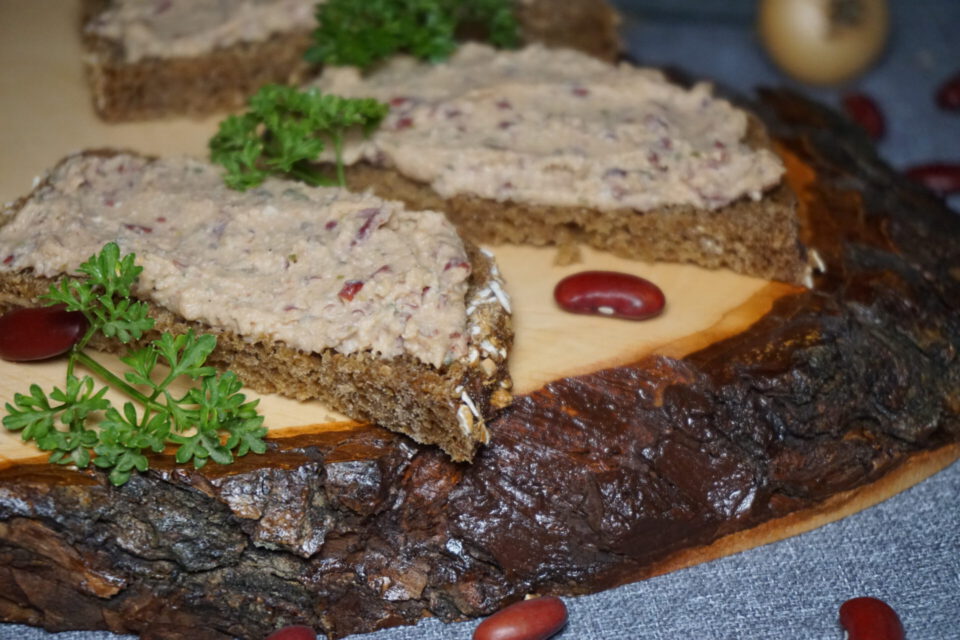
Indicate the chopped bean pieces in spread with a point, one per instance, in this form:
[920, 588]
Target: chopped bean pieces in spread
[558, 128]
[316, 268]
[184, 28]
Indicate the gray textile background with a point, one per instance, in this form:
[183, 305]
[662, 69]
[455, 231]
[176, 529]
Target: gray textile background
[906, 550]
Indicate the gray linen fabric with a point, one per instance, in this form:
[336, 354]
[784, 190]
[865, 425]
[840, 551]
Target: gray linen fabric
[906, 550]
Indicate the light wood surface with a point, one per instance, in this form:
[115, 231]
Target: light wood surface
[47, 114]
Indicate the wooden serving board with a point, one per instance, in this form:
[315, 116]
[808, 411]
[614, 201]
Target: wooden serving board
[747, 412]
[703, 306]
[48, 114]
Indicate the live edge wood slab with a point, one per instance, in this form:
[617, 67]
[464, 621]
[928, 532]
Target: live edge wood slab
[835, 398]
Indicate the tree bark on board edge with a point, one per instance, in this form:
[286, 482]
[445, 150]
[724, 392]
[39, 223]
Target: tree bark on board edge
[587, 483]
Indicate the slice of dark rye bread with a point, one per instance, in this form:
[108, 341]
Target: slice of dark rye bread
[530, 146]
[224, 78]
[446, 406]
[760, 238]
[756, 238]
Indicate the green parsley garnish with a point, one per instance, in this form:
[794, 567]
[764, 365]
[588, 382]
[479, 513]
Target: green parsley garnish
[285, 130]
[361, 33]
[209, 421]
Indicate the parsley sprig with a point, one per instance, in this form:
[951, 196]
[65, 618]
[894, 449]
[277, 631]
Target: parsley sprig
[285, 130]
[211, 420]
[360, 34]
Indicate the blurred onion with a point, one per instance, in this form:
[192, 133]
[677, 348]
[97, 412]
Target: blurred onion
[823, 42]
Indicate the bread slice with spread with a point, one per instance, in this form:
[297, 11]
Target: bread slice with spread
[382, 313]
[552, 147]
[152, 59]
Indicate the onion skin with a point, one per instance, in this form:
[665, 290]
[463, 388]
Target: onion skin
[807, 40]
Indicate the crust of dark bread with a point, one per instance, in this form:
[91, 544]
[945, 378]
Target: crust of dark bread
[156, 88]
[755, 237]
[591, 26]
[223, 79]
[402, 394]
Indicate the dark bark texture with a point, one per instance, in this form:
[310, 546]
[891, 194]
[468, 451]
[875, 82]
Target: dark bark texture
[587, 482]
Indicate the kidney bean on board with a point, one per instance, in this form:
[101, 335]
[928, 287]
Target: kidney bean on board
[39, 333]
[864, 110]
[870, 619]
[609, 293]
[293, 632]
[948, 95]
[941, 177]
[534, 619]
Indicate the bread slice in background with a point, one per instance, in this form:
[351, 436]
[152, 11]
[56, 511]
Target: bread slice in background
[546, 146]
[757, 238]
[222, 78]
[445, 403]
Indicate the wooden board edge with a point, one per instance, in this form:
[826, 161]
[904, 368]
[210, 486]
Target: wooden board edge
[913, 470]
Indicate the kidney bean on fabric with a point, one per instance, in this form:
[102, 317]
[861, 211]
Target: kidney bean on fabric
[941, 177]
[870, 619]
[948, 95]
[534, 619]
[293, 632]
[864, 110]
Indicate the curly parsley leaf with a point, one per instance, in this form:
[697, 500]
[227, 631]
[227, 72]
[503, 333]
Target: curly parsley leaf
[238, 147]
[103, 297]
[79, 425]
[360, 34]
[285, 131]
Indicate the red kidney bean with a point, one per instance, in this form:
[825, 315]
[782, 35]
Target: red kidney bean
[948, 95]
[293, 632]
[39, 333]
[534, 619]
[942, 177]
[870, 619]
[609, 293]
[864, 110]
